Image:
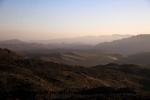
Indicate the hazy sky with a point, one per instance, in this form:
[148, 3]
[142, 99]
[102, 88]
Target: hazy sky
[49, 19]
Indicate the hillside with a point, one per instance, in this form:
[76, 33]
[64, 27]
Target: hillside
[22, 78]
[127, 46]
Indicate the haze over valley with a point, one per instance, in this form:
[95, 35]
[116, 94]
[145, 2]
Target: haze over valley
[84, 54]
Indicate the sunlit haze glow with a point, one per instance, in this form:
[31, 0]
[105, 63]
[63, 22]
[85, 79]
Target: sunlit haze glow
[50, 19]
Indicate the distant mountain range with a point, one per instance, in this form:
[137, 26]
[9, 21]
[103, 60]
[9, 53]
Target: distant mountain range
[92, 40]
[127, 46]
[17, 45]
[29, 79]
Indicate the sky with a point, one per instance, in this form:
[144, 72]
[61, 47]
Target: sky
[51, 19]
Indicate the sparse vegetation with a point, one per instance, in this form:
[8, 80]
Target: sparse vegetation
[28, 79]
